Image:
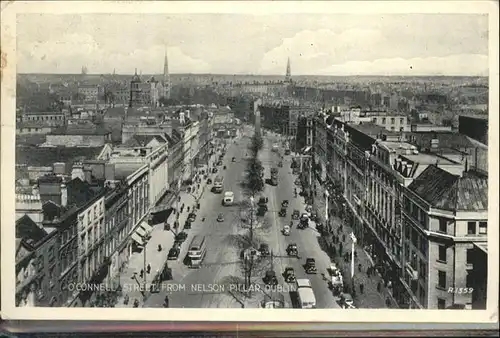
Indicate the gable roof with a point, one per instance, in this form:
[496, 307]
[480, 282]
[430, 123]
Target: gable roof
[29, 231]
[450, 192]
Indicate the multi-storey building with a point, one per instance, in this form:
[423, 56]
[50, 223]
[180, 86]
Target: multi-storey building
[445, 216]
[36, 265]
[372, 169]
[305, 132]
[116, 220]
[90, 92]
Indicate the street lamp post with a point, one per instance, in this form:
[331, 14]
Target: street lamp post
[352, 253]
[327, 194]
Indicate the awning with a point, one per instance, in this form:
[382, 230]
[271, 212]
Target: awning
[137, 238]
[306, 149]
[146, 227]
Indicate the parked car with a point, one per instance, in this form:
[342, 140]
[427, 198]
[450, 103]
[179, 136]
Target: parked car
[295, 214]
[187, 224]
[310, 266]
[270, 278]
[220, 218]
[181, 236]
[264, 249]
[346, 300]
[292, 250]
[173, 253]
[192, 217]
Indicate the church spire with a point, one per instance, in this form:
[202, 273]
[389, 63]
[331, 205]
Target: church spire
[288, 75]
[166, 76]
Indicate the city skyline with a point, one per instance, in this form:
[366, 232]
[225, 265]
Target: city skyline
[344, 45]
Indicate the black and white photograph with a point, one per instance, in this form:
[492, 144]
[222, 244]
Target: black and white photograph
[250, 160]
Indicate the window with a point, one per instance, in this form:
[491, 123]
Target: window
[469, 280]
[393, 120]
[471, 228]
[441, 303]
[401, 128]
[401, 120]
[393, 129]
[51, 253]
[383, 120]
[469, 256]
[483, 228]
[443, 226]
[442, 279]
[442, 253]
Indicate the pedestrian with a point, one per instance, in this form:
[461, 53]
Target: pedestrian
[379, 286]
[334, 252]
[388, 302]
[148, 268]
[141, 274]
[361, 288]
[343, 237]
[355, 254]
[369, 271]
[166, 301]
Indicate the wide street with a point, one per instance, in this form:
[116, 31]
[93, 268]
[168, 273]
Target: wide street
[198, 288]
[306, 239]
[207, 286]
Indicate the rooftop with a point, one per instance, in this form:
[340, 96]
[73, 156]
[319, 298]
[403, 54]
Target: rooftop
[81, 129]
[425, 158]
[143, 140]
[28, 230]
[43, 157]
[446, 191]
[369, 129]
[446, 139]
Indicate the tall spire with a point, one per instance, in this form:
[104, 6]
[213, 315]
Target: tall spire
[288, 71]
[166, 76]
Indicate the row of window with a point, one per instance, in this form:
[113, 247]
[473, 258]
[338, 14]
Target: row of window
[44, 117]
[393, 120]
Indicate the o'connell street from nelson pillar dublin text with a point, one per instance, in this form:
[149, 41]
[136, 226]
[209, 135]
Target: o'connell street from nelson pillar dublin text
[333, 166]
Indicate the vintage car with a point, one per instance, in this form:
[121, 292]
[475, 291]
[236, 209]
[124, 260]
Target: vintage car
[214, 170]
[289, 275]
[285, 203]
[346, 301]
[173, 253]
[304, 222]
[264, 249]
[296, 214]
[181, 236]
[192, 217]
[261, 210]
[219, 163]
[209, 181]
[233, 159]
[286, 230]
[224, 167]
[310, 265]
[282, 212]
[263, 201]
[270, 278]
[280, 164]
[187, 224]
[220, 218]
[292, 250]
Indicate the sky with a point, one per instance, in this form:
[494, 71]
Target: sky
[317, 44]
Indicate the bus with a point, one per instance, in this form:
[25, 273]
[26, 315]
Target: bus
[307, 300]
[218, 182]
[197, 251]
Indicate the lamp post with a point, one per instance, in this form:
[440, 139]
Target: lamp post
[327, 194]
[352, 253]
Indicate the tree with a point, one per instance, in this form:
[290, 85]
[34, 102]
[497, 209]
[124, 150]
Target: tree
[253, 182]
[256, 145]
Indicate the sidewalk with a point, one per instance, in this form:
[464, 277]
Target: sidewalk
[370, 298]
[157, 259]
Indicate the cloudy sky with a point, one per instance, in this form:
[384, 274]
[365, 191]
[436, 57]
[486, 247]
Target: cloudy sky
[333, 44]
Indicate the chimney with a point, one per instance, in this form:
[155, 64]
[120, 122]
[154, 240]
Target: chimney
[188, 114]
[64, 195]
[109, 172]
[87, 174]
[35, 190]
[434, 143]
[77, 171]
[181, 118]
